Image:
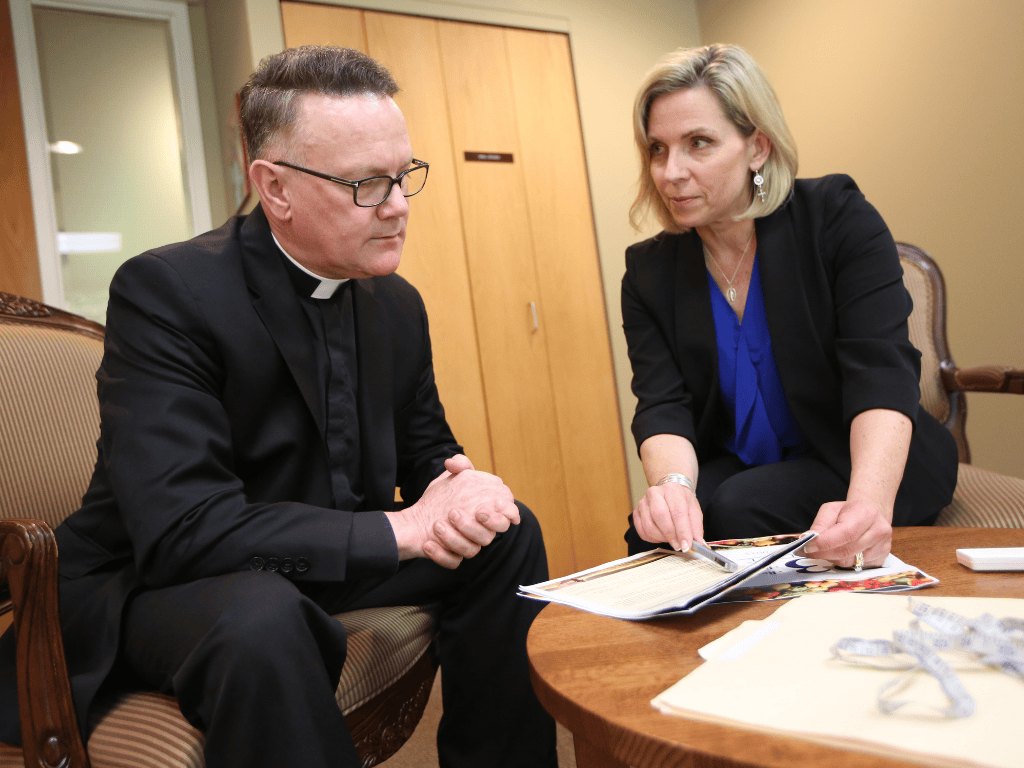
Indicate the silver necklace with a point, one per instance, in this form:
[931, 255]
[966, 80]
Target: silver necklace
[730, 294]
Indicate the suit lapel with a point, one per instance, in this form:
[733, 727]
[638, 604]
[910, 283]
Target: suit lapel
[783, 295]
[276, 303]
[803, 367]
[375, 397]
[785, 305]
[695, 325]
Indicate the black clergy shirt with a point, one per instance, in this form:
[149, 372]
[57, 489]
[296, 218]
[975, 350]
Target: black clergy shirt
[332, 322]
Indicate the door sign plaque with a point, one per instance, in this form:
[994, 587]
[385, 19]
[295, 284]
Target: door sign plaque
[488, 157]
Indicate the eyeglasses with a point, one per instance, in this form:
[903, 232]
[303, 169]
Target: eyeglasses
[374, 190]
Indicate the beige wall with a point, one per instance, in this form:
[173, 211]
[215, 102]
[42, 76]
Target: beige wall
[231, 61]
[207, 113]
[613, 42]
[920, 101]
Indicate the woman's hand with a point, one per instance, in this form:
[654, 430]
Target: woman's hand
[846, 528]
[879, 442]
[669, 512]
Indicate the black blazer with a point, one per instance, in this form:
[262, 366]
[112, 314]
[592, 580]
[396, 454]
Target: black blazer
[212, 456]
[837, 316]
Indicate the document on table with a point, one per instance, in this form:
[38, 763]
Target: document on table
[792, 684]
[663, 582]
[797, 574]
[657, 583]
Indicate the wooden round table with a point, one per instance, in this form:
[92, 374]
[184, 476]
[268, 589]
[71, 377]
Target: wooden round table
[597, 675]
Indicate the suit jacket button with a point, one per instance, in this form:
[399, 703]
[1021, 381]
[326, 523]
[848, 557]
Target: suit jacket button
[287, 565]
[257, 563]
[272, 564]
[302, 565]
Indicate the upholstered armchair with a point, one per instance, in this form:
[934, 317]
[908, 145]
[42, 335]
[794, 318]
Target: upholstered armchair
[982, 498]
[50, 420]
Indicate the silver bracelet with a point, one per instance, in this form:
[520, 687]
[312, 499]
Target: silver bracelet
[675, 477]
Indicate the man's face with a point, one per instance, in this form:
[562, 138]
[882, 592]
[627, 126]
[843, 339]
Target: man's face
[350, 138]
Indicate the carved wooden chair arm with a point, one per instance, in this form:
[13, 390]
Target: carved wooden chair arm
[28, 566]
[984, 378]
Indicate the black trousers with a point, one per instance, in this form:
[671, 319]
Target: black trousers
[742, 502]
[254, 658]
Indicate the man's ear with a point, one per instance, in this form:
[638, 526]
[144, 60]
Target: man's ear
[268, 181]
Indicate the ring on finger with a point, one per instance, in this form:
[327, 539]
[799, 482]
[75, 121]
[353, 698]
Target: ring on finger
[858, 562]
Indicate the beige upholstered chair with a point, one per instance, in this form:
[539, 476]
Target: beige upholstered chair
[50, 420]
[982, 498]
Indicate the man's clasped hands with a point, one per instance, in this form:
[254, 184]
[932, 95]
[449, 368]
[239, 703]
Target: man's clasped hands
[460, 512]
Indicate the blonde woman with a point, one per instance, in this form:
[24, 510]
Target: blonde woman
[767, 327]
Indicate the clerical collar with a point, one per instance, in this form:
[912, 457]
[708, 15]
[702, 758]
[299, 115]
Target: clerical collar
[325, 286]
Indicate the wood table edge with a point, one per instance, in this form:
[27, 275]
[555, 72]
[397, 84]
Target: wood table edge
[608, 744]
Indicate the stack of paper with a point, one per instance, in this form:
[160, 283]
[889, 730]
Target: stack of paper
[780, 675]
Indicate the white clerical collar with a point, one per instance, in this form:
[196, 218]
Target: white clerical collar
[327, 285]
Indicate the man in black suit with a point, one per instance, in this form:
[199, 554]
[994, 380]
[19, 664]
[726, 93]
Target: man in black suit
[264, 389]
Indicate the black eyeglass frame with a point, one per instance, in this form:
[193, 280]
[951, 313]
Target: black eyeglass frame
[392, 180]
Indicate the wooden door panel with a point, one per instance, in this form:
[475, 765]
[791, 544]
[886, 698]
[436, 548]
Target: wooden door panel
[19, 262]
[571, 292]
[312, 24]
[516, 375]
[488, 240]
[434, 259]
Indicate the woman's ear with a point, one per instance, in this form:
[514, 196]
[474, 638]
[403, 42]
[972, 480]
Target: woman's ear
[269, 182]
[761, 147]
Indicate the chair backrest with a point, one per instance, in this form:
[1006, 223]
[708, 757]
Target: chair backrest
[923, 279]
[48, 408]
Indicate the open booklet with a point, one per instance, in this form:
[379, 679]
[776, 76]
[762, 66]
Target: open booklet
[801, 575]
[666, 583]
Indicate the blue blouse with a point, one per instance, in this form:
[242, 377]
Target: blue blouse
[749, 379]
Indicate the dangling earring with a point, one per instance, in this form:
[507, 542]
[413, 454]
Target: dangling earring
[759, 183]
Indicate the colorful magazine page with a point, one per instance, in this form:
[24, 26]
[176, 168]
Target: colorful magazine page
[795, 575]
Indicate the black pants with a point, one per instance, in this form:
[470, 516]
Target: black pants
[254, 658]
[742, 502]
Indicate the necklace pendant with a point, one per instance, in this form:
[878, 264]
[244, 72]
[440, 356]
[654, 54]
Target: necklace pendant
[731, 294]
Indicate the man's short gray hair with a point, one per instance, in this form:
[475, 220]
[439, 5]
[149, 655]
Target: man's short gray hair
[268, 101]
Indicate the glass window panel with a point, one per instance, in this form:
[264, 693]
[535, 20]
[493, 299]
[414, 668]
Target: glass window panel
[108, 86]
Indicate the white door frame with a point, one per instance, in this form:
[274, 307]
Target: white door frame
[34, 118]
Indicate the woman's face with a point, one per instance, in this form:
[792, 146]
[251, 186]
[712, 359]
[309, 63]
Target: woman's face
[700, 162]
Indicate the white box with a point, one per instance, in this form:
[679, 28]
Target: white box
[992, 558]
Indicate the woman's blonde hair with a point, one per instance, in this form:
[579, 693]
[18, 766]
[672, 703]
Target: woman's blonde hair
[748, 100]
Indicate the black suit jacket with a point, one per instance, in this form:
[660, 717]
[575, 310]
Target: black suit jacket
[837, 315]
[212, 455]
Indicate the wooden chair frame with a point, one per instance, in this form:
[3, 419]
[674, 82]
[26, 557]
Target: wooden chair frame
[957, 381]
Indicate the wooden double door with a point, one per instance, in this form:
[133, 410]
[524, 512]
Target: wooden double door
[501, 245]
